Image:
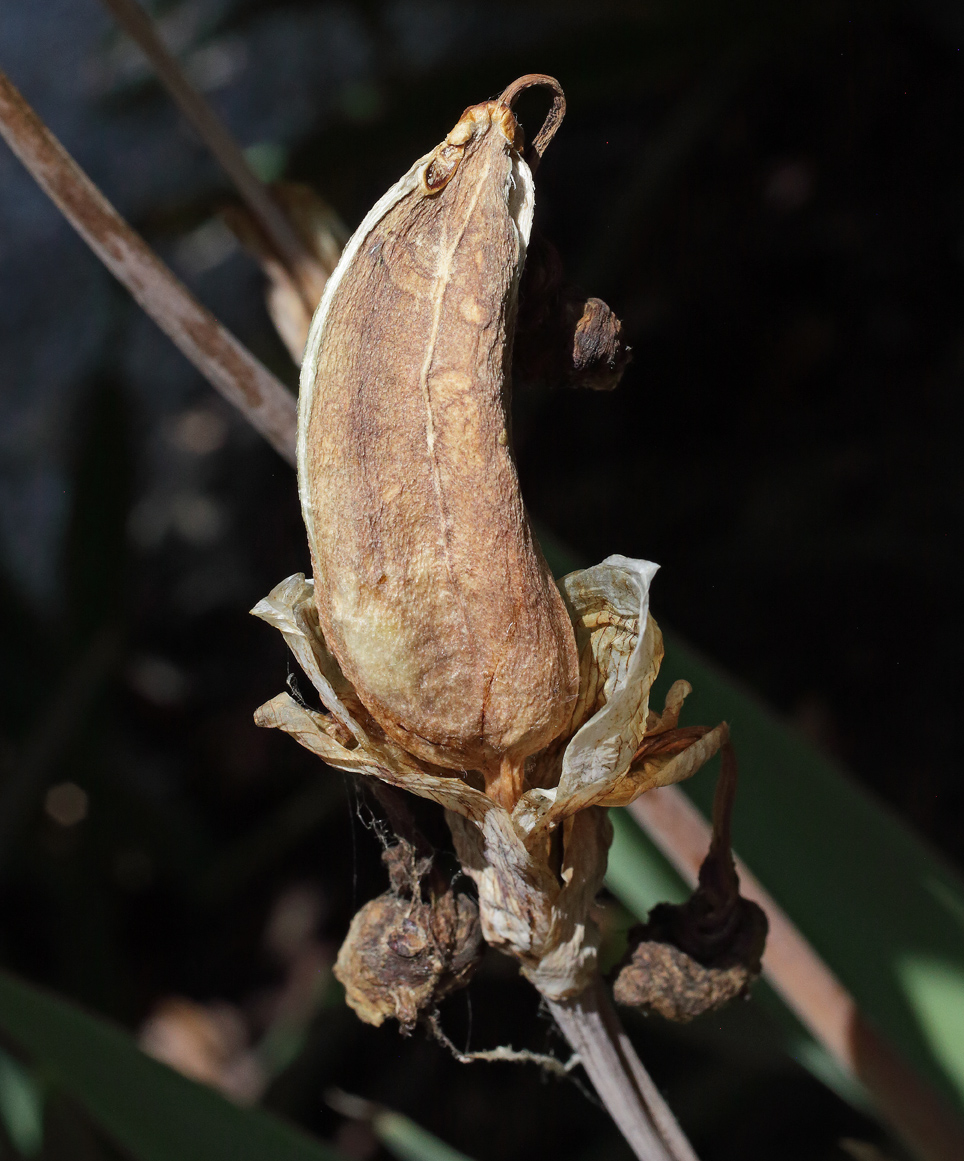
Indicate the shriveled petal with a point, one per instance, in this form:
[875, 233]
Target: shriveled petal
[379, 759]
[290, 608]
[313, 730]
[620, 650]
[656, 723]
[664, 769]
[609, 606]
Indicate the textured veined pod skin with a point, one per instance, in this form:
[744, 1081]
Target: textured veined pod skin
[431, 590]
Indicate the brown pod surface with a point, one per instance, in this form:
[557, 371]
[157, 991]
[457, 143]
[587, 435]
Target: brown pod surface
[431, 589]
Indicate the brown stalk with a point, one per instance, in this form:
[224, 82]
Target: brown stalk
[811, 990]
[553, 118]
[304, 267]
[227, 364]
[593, 1029]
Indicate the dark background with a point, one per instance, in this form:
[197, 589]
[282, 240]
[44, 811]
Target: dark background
[770, 195]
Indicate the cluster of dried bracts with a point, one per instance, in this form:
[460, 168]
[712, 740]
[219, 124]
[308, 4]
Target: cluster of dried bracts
[446, 658]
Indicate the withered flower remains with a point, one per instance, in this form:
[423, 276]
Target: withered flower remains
[446, 657]
[696, 956]
[409, 948]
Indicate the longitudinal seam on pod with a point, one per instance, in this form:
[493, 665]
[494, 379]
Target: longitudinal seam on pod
[445, 275]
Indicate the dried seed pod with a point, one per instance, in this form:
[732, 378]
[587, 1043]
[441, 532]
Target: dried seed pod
[403, 954]
[696, 957]
[431, 590]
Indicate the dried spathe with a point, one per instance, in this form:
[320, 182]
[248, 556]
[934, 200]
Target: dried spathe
[289, 293]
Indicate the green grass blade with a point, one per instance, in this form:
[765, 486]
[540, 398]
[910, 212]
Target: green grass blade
[410, 1142]
[638, 874]
[21, 1106]
[146, 1107]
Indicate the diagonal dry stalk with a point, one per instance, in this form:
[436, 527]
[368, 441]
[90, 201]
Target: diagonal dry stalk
[590, 1024]
[307, 272]
[227, 364]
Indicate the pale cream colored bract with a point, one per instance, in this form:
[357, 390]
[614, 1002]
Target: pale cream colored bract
[527, 909]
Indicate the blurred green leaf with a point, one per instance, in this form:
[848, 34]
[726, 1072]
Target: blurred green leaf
[638, 874]
[21, 1106]
[410, 1142]
[867, 892]
[817, 1060]
[268, 159]
[935, 989]
[146, 1107]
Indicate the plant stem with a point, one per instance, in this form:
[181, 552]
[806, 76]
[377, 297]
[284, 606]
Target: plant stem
[227, 364]
[591, 1026]
[307, 272]
[811, 990]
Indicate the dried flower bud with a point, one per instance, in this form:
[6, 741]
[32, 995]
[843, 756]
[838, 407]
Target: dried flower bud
[564, 338]
[431, 590]
[659, 976]
[696, 957]
[599, 354]
[409, 948]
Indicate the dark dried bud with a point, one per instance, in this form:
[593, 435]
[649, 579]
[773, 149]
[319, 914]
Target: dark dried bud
[409, 948]
[660, 975]
[696, 956]
[562, 337]
[599, 354]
